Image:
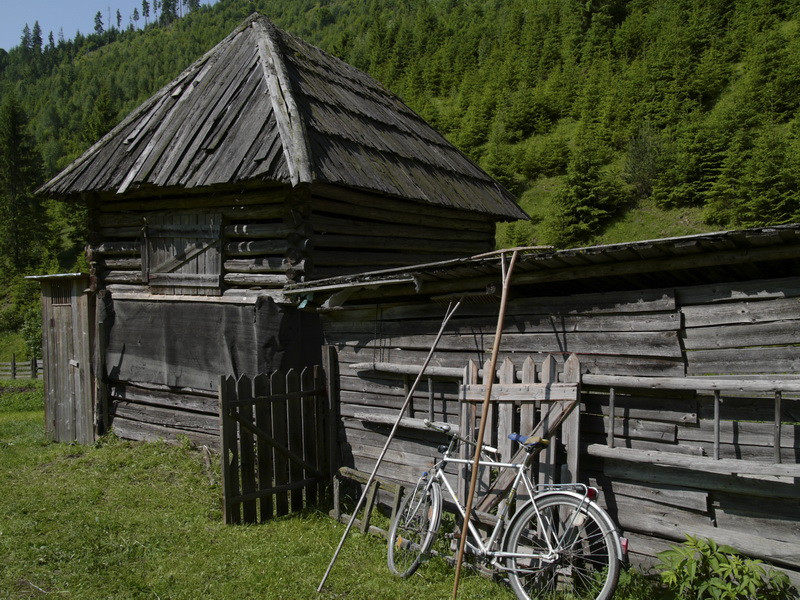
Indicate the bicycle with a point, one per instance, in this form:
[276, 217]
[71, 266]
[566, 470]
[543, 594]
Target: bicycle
[559, 544]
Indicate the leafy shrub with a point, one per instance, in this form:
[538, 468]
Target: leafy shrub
[702, 569]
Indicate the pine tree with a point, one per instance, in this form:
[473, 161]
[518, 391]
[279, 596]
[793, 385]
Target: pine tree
[98, 23]
[20, 172]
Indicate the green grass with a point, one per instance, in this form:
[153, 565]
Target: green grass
[131, 520]
[123, 520]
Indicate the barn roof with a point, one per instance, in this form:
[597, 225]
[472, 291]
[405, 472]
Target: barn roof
[265, 105]
[707, 258]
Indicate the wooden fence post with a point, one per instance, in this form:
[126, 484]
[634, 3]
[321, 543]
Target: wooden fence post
[229, 452]
[13, 366]
[330, 363]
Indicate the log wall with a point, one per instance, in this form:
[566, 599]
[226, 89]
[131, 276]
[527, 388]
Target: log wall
[277, 236]
[748, 330]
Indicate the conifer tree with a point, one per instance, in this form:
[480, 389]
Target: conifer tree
[20, 172]
[98, 23]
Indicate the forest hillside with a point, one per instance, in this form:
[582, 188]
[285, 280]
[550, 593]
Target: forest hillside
[611, 120]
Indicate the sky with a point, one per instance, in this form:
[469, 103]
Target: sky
[71, 15]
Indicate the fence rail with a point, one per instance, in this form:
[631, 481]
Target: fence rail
[21, 369]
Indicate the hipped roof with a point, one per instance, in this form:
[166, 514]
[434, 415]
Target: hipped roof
[265, 105]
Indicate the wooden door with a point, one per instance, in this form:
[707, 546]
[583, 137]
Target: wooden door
[66, 349]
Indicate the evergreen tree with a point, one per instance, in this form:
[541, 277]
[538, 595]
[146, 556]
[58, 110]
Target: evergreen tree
[145, 11]
[119, 19]
[36, 38]
[98, 23]
[20, 173]
[590, 198]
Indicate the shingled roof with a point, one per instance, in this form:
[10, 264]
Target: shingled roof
[265, 105]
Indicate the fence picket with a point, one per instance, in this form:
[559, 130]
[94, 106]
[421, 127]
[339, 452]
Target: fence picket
[244, 389]
[264, 452]
[280, 434]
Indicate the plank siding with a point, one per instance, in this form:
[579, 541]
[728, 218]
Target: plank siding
[731, 329]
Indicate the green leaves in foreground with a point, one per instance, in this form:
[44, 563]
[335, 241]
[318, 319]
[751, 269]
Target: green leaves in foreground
[702, 569]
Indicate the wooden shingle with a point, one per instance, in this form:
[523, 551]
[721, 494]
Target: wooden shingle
[265, 105]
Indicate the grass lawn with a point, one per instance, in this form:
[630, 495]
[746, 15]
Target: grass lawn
[132, 520]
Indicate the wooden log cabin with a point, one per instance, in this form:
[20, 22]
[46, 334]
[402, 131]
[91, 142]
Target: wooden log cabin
[265, 162]
[689, 353]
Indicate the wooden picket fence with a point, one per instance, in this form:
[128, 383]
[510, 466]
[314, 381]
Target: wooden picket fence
[22, 369]
[274, 442]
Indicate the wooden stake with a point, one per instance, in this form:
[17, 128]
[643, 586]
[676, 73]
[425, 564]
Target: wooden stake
[488, 380]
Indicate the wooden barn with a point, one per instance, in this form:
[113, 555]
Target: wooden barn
[265, 162]
[689, 353]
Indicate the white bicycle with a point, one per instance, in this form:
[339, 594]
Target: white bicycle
[559, 545]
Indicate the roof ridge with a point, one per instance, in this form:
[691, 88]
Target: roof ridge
[291, 126]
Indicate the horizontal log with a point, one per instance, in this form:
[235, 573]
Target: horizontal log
[758, 486]
[392, 242]
[692, 383]
[236, 201]
[340, 201]
[728, 467]
[193, 280]
[626, 303]
[122, 277]
[122, 264]
[148, 432]
[401, 369]
[741, 336]
[404, 422]
[256, 248]
[741, 312]
[632, 515]
[260, 279]
[259, 230]
[164, 398]
[744, 361]
[341, 258]
[486, 324]
[262, 265]
[117, 248]
[762, 289]
[435, 229]
[167, 417]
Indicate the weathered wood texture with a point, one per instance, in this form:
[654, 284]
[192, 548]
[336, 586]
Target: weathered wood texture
[67, 339]
[262, 240]
[274, 450]
[739, 331]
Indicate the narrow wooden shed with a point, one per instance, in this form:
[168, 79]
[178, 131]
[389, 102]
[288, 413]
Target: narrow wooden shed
[265, 162]
[67, 339]
[689, 352]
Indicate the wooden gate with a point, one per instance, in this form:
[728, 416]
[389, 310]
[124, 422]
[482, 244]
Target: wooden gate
[67, 339]
[274, 443]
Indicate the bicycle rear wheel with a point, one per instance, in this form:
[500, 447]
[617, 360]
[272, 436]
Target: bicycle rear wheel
[584, 563]
[414, 528]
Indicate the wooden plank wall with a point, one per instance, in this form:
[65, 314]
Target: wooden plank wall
[740, 329]
[354, 233]
[259, 238]
[276, 236]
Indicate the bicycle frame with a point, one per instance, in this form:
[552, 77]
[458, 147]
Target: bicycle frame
[486, 549]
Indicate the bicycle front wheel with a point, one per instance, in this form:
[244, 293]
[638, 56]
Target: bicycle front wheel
[583, 562]
[414, 528]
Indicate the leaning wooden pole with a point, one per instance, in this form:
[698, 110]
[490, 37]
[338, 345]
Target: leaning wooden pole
[450, 310]
[488, 378]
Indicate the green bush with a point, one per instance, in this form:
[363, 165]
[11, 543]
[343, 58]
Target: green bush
[702, 569]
